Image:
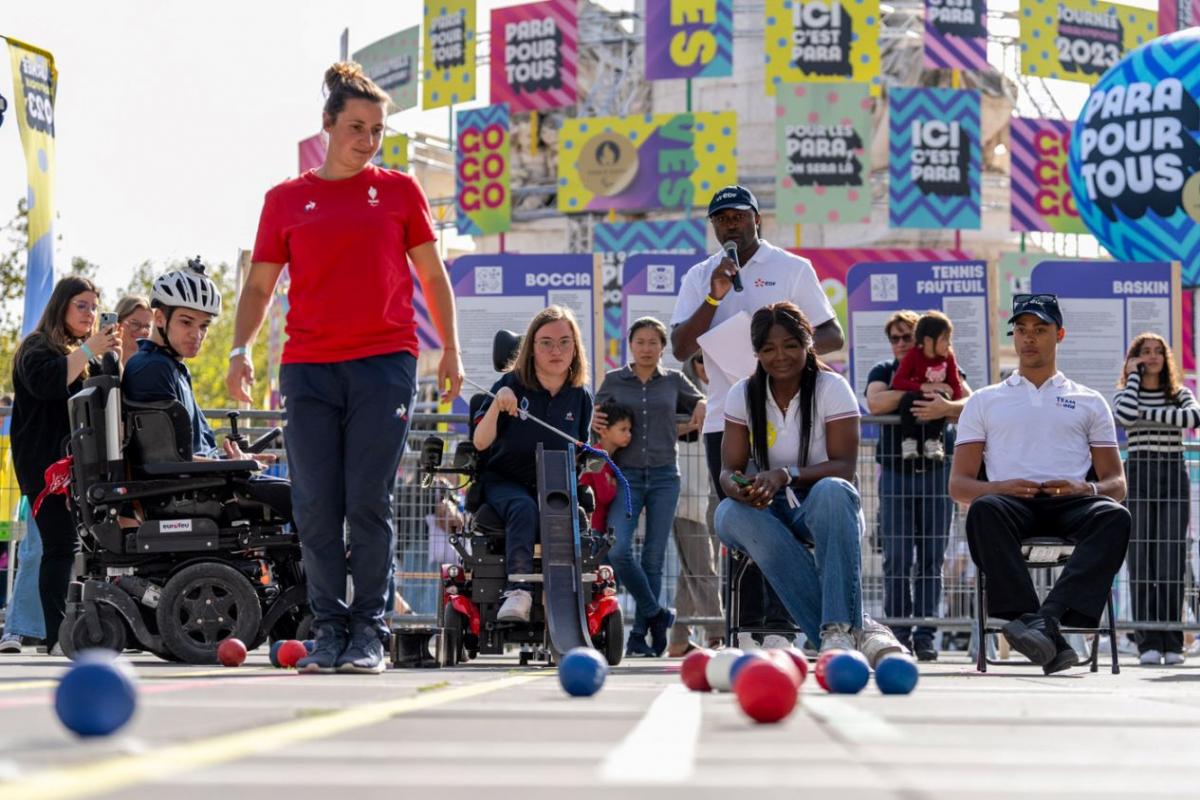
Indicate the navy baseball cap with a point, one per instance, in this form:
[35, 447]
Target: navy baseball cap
[737, 197]
[1043, 306]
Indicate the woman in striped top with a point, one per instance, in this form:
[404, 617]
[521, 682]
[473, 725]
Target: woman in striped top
[1157, 409]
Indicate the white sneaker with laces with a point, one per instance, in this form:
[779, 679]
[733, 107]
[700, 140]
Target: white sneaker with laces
[876, 641]
[773, 641]
[908, 449]
[517, 603]
[747, 642]
[1150, 658]
[935, 450]
[10, 644]
[1173, 659]
[837, 636]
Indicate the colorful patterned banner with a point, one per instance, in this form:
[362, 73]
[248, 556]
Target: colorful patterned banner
[821, 40]
[652, 161]
[35, 81]
[481, 194]
[392, 63]
[615, 241]
[823, 137]
[689, 39]
[956, 34]
[538, 44]
[1078, 40]
[1175, 15]
[312, 152]
[935, 162]
[448, 66]
[1041, 190]
[393, 154]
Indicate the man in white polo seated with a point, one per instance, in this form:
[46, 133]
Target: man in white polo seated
[1039, 434]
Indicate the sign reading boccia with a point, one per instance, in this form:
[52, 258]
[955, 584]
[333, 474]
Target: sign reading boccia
[1134, 159]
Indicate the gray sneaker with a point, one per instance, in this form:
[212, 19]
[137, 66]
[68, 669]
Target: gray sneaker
[837, 636]
[876, 641]
[364, 653]
[331, 643]
[10, 644]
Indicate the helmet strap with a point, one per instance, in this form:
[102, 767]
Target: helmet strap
[162, 333]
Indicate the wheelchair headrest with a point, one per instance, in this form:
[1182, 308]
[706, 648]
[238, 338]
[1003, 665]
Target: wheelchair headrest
[504, 349]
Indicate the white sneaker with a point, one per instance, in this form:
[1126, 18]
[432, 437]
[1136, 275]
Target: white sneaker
[773, 641]
[1173, 659]
[875, 641]
[747, 642]
[1150, 658]
[837, 636]
[1194, 650]
[908, 449]
[935, 450]
[517, 603]
[10, 644]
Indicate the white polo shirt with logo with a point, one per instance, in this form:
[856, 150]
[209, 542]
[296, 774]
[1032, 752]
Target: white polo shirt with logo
[1037, 433]
[770, 276]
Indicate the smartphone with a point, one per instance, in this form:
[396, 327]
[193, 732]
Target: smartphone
[107, 320]
[740, 480]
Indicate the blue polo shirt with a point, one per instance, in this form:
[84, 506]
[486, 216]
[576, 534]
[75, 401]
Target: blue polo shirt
[154, 374]
[513, 454]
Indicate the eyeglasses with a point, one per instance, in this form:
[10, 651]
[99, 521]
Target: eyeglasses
[564, 345]
[136, 326]
[84, 307]
[1033, 299]
[897, 338]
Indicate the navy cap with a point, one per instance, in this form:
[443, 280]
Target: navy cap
[737, 197]
[1043, 306]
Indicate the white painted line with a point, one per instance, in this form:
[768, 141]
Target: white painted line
[662, 746]
[855, 723]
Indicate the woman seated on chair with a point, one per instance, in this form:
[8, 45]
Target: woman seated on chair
[788, 460]
[547, 382]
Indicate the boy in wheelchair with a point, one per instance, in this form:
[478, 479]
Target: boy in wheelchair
[181, 549]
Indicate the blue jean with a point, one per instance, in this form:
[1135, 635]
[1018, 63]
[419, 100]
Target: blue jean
[656, 490]
[518, 507]
[347, 424]
[914, 524]
[818, 587]
[25, 607]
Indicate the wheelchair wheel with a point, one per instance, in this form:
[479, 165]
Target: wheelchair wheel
[201, 606]
[75, 637]
[611, 641]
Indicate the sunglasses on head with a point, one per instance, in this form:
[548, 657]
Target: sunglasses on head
[1033, 299]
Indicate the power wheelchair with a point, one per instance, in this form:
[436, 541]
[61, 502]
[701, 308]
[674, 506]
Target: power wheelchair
[574, 594]
[176, 555]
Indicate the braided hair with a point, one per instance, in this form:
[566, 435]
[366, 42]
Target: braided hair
[792, 319]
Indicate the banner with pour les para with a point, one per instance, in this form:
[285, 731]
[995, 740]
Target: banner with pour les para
[823, 135]
[1078, 40]
[689, 39]
[821, 40]
[534, 53]
[448, 66]
[935, 159]
[481, 183]
[956, 34]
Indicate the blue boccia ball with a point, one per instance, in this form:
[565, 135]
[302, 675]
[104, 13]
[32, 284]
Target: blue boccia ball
[98, 694]
[743, 661]
[896, 674]
[275, 651]
[310, 645]
[847, 673]
[582, 672]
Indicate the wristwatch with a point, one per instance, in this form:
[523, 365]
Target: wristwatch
[793, 473]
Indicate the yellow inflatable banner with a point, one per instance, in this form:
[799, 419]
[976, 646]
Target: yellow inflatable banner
[821, 40]
[1078, 40]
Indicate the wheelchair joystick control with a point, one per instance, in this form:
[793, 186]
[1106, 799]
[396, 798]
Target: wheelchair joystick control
[233, 435]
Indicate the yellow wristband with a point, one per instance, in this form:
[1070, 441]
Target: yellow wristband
[712, 301]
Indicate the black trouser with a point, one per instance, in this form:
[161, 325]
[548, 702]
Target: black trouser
[1099, 527]
[911, 427]
[59, 545]
[759, 605]
[1158, 501]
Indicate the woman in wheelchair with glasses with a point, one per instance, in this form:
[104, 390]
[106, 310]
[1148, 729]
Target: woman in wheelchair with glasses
[547, 382]
[49, 366]
[788, 459]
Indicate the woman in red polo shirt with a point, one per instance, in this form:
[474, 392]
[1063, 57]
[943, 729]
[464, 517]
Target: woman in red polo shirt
[347, 232]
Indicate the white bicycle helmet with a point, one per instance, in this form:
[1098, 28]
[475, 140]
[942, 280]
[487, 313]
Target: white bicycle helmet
[187, 288]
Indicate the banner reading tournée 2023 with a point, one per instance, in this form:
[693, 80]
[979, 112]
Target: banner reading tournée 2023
[821, 40]
[1078, 40]
[645, 162]
[482, 198]
[448, 67]
[534, 54]
[935, 161]
[34, 84]
[689, 39]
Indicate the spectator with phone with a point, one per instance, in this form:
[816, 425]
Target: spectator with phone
[134, 317]
[49, 366]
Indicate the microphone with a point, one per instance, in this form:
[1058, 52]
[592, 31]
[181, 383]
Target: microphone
[731, 252]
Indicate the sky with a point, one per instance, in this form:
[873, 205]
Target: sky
[174, 118]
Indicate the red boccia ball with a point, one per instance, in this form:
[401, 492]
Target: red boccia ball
[290, 652]
[782, 660]
[798, 659]
[823, 662]
[231, 652]
[765, 691]
[692, 670]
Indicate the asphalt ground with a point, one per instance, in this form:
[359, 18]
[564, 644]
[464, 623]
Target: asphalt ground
[493, 729]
